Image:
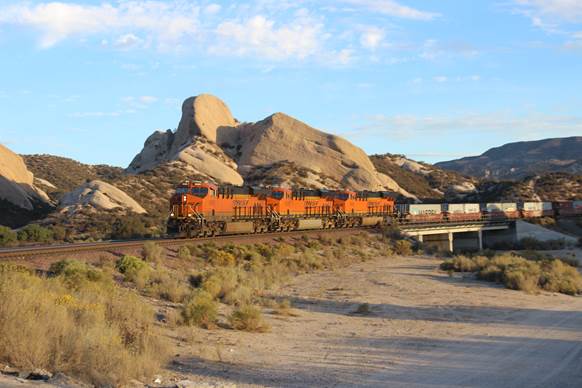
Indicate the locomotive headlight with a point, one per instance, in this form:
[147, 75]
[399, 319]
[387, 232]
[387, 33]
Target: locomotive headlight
[171, 214]
[184, 198]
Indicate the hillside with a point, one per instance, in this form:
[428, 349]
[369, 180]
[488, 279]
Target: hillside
[519, 160]
[547, 187]
[58, 175]
[425, 181]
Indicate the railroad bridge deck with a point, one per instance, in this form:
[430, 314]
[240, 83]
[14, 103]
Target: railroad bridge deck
[465, 235]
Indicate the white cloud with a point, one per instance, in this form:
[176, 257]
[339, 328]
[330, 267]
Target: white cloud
[148, 99]
[262, 37]
[564, 10]
[165, 22]
[372, 37]
[534, 125]
[392, 8]
[440, 79]
[128, 41]
[212, 9]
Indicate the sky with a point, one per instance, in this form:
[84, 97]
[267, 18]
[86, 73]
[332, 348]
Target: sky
[433, 80]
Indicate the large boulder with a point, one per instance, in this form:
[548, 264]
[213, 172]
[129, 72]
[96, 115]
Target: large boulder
[280, 137]
[17, 183]
[99, 195]
[211, 143]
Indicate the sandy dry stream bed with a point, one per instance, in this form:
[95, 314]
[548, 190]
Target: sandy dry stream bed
[423, 328]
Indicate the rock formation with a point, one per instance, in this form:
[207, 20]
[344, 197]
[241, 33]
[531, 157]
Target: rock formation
[17, 183]
[210, 142]
[99, 195]
[522, 159]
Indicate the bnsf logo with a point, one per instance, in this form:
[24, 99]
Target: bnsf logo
[240, 203]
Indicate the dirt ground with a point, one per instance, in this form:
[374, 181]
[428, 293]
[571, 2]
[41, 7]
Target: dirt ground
[423, 329]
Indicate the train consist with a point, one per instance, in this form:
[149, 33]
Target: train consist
[205, 209]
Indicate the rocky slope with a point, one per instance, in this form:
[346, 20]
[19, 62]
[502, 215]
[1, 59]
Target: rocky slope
[57, 175]
[21, 200]
[212, 144]
[98, 195]
[17, 182]
[425, 181]
[546, 187]
[522, 159]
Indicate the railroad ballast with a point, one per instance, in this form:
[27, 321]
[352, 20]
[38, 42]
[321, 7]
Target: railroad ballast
[205, 209]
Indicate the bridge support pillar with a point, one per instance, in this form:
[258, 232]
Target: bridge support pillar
[451, 240]
[480, 237]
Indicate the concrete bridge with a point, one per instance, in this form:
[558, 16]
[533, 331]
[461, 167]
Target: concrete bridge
[456, 236]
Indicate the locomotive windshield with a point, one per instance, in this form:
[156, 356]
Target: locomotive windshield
[277, 194]
[199, 191]
[343, 196]
[181, 190]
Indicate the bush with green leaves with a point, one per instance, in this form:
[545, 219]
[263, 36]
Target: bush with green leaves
[128, 227]
[130, 266]
[200, 310]
[75, 273]
[184, 253]
[8, 237]
[35, 233]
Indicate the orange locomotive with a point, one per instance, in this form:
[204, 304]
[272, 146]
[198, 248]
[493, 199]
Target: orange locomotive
[204, 209]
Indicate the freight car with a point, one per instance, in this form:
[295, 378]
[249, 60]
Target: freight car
[204, 209]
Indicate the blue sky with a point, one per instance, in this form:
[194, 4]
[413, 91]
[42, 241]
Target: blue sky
[433, 80]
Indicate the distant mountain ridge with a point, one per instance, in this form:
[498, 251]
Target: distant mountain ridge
[518, 160]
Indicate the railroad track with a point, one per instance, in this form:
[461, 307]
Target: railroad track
[52, 250]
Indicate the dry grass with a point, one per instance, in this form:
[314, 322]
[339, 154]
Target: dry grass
[248, 318]
[103, 335]
[152, 252]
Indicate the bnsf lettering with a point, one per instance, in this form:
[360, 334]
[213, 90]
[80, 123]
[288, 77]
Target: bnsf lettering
[240, 203]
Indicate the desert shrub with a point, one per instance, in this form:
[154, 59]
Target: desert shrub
[184, 254]
[59, 233]
[559, 277]
[532, 243]
[104, 336]
[75, 273]
[363, 309]
[164, 285]
[130, 267]
[7, 236]
[284, 308]
[35, 233]
[519, 273]
[201, 310]
[152, 252]
[523, 275]
[127, 228]
[403, 247]
[247, 318]
[460, 264]
[221, 258]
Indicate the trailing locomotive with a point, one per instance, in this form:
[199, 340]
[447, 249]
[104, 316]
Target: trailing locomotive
[205, 209]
